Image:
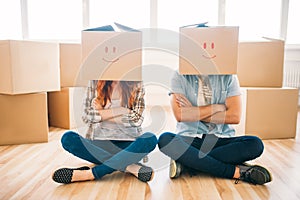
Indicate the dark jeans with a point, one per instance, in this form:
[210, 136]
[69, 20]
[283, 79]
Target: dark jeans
[108, 155]
[210, 154]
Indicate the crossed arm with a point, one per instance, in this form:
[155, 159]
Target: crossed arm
[109, 114]
[228, 113]
[129, 117]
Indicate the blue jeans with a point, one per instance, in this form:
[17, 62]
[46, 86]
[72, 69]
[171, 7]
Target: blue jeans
[108, 155]
[210, 154]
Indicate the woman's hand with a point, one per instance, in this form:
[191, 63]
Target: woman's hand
[96, 104]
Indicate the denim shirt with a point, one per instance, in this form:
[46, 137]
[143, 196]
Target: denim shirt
[223, 86]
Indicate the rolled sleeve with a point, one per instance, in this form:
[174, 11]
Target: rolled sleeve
[90, 115]
[233, 86]
[135, 116]
[177, 84]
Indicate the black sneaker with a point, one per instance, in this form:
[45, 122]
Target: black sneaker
[254, 174]
[175, 169]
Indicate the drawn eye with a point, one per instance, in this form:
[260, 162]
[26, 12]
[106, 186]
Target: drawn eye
[114, 49]
[106, 49]
[204, 45]
[212, 45]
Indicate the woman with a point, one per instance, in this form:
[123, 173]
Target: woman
[113, 111]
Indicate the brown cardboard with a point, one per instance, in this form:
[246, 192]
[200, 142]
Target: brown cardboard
[63, 108]
[260, 63]
[70, 61]
[270, 113]
[23, 118]
[108, 55]
[208, 50]
[28, 67]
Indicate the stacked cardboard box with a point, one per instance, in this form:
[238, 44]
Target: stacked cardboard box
[269, 110]
[64, 106]
[70, 62]
[28, 70]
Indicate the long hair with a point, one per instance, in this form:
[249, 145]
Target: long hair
[104, 90]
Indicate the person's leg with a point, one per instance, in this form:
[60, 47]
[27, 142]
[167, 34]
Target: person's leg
[130, 155]
[84, 148]
[176, 147]
[126, 153]
[237, 150]
[197, 155]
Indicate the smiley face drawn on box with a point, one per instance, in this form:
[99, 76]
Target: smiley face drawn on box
[208, 50]
[110, 55]
[212, 47]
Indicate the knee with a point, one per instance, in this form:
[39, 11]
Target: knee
[256, 145]
[165, 139]
[68, 140]
[149, 140]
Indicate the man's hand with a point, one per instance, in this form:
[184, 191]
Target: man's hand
[219, 107]
[184, 111]
[231, 115]
[182, 101]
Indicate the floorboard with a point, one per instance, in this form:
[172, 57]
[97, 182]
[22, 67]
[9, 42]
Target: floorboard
[26, 174]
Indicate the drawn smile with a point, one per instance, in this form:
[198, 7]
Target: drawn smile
[115, 60]
[209, 57]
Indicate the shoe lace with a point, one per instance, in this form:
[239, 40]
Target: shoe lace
[246, 176]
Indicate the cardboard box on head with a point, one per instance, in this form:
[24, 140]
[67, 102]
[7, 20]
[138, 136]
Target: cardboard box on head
[111, 55]
[208, 50]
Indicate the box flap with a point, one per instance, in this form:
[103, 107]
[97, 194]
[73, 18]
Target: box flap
[125, 28]
[195, 25]
[102, 28]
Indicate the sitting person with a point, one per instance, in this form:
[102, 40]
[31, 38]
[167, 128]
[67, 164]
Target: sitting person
[204, 106]
[115, 142]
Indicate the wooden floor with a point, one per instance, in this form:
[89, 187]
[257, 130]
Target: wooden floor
[26, 170]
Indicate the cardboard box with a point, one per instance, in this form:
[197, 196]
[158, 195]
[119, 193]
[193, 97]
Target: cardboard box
[270, 113]
[110, 55]
[260, 63]
[208, 50]
[70, 62]
[65, 107]
[23, 118]
[28, 67]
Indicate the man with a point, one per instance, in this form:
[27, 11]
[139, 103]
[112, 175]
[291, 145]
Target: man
[204, 106]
